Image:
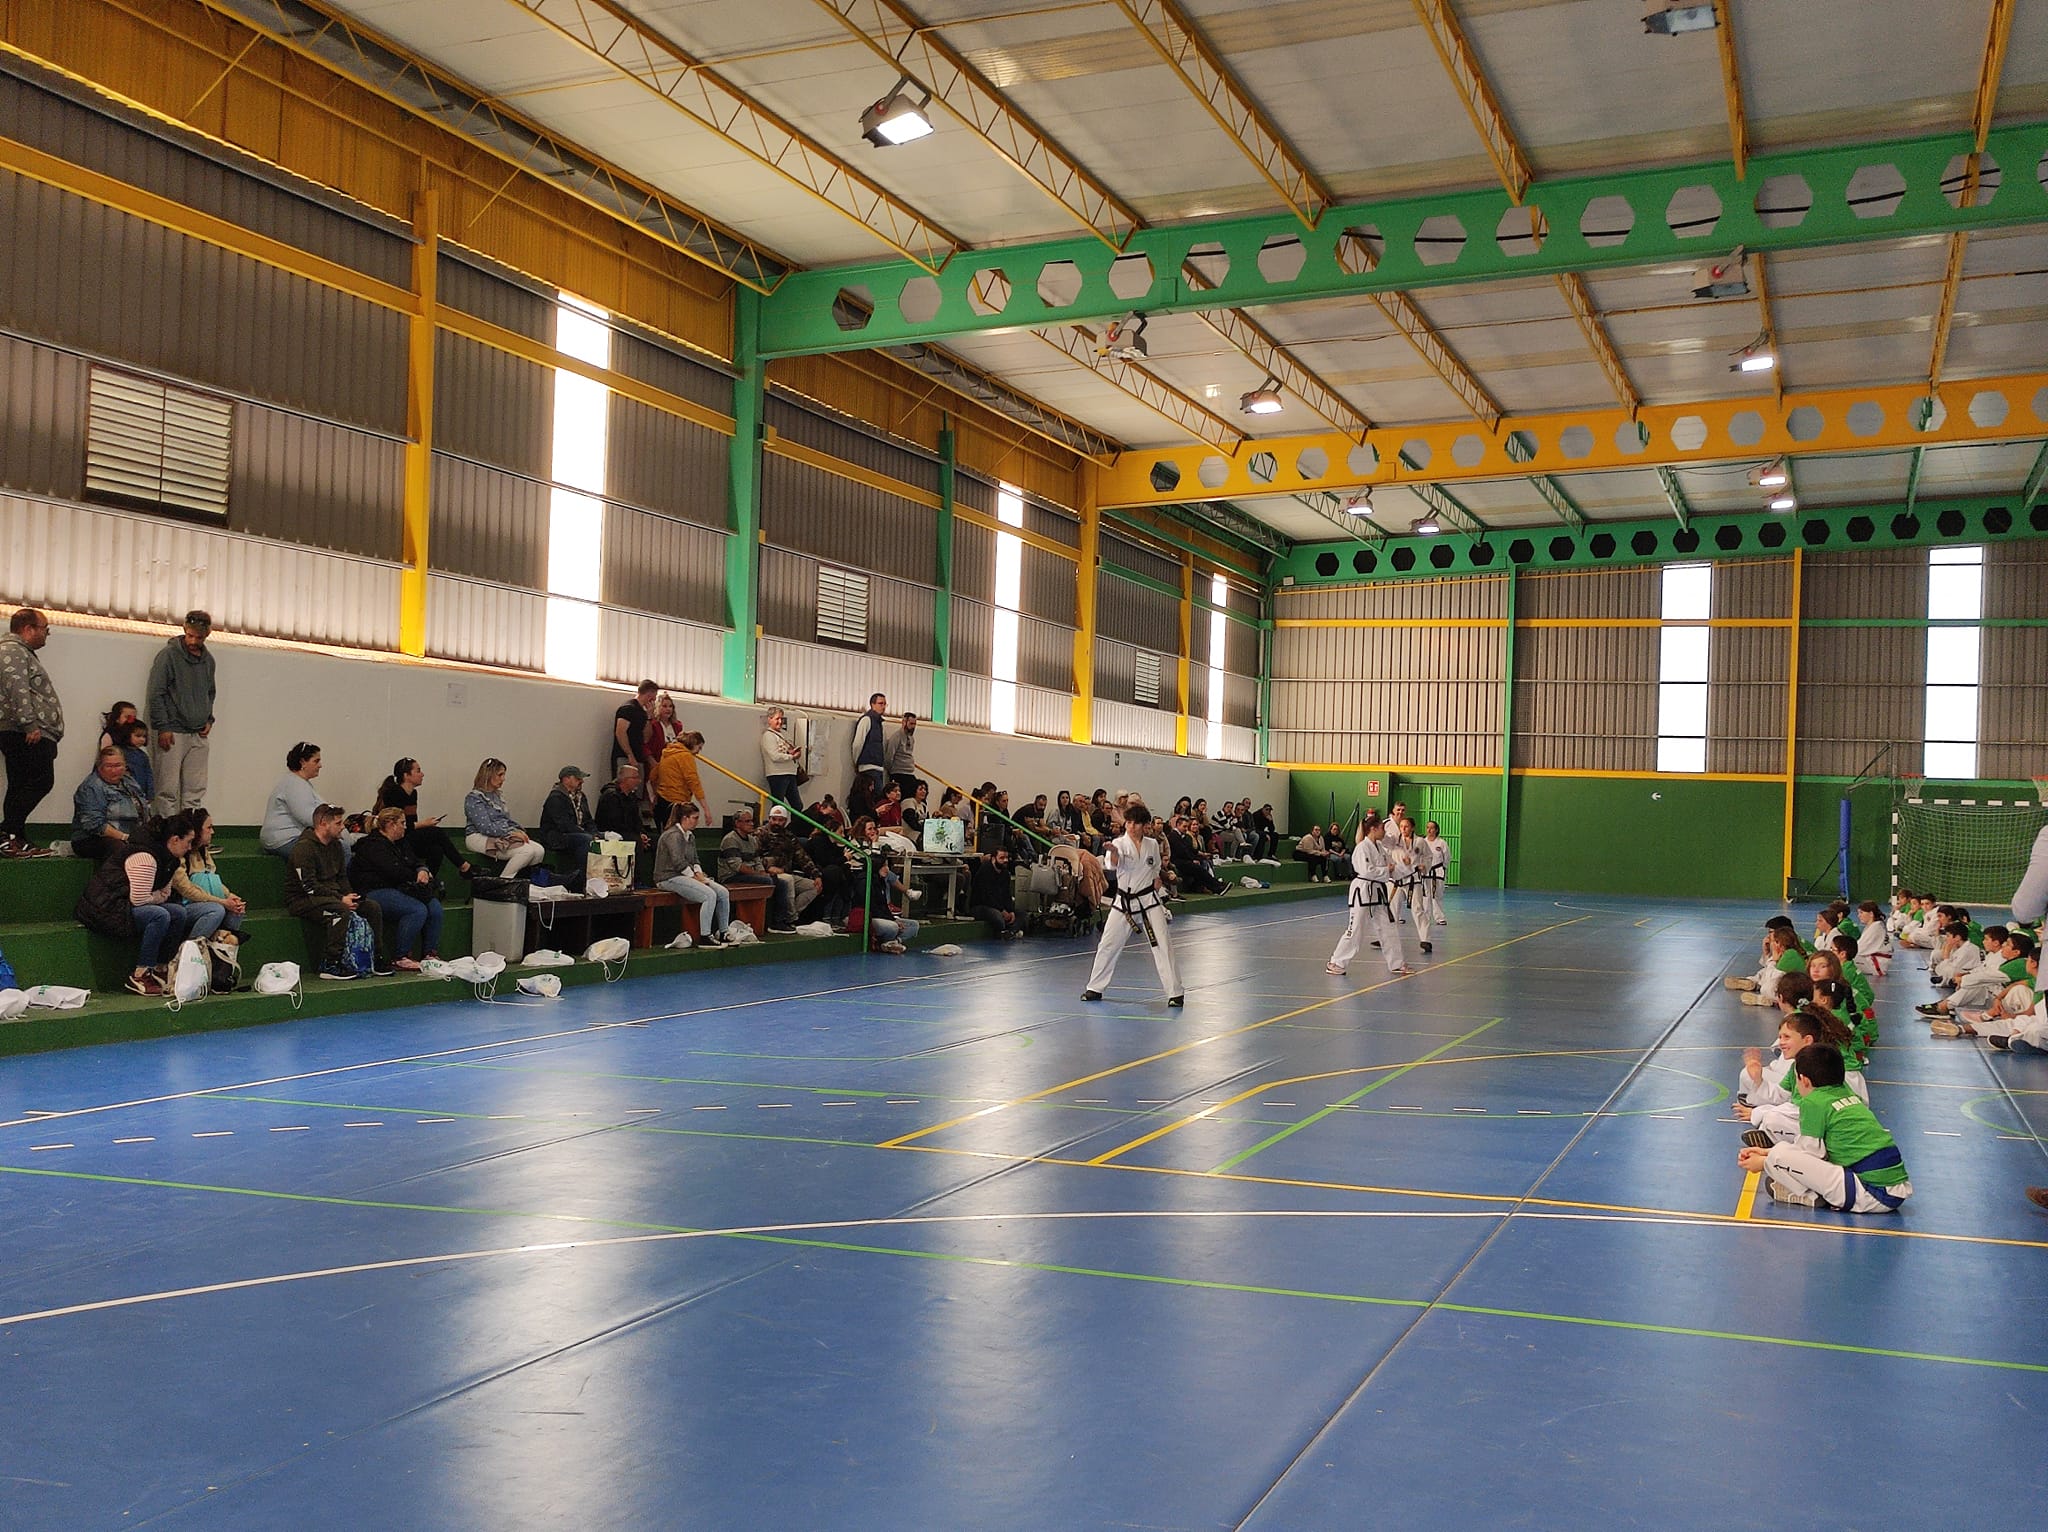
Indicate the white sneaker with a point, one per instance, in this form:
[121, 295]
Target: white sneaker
[1780, 1192]
[1441, 921]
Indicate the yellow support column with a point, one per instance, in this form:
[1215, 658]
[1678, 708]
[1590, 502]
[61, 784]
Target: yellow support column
[1187, 624]
[419, 430]
[1792, 713]
[1082, 728]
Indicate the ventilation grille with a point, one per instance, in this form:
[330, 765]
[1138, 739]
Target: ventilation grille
[1147, 679]
[152, 445]
[842, 608]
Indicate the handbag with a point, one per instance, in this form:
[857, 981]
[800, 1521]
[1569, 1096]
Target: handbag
[611, 858]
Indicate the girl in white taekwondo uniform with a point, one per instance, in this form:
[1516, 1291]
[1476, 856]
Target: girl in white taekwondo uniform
[1376, 872]
[1431, 857]
[1132, 860]
[1399, 842]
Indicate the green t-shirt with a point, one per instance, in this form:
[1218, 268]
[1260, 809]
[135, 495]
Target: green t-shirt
[2015, 972]
[1849, 928]
[1976, 934]
[1789, 961]
[1859, 987]
[1836, 1116]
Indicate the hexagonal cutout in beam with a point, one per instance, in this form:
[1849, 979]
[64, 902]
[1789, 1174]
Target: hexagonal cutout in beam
[852, 308]
[1059, 284]
[1607, 222]
[988, 292]
[1131, 276]
[1956, 179]
[1281, 258]
[1521, 231]
[1693, 212]
[1782, 202]
[1876, 191]
[1440, 240]
[1359, 249]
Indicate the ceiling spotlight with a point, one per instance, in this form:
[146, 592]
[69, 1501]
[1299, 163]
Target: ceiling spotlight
[1424, 526]
[1771, 475]
[1123, 339]
[1783, 501]
[1668, 18]
[1263, 400]
[897, 118]
[1725, 278]
[1358, 505]
[1753, 358]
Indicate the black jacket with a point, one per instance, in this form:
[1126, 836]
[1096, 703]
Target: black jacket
[990, 886]
[617, 814]
[380, 863]
[105, 906]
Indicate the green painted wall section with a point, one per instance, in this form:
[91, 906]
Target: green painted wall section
[1309, 797]
[1815, 828]
[1660, 836]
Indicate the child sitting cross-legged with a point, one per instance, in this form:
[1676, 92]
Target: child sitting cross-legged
[1768, 1097]
[2015, 1021]
[1843, 1159]
[1874, 943]
[1781, 955]
[1981, 987]
[1832, 996]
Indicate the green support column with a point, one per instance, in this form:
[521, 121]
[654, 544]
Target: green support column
[1507, 724]
[743, 548]
[1266, 682]
[942, 597]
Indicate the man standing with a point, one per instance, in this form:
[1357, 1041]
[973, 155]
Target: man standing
[900, 756]
[870, 745]
[1132, 859]
[181, 697]
[629, 726]
[31, 723]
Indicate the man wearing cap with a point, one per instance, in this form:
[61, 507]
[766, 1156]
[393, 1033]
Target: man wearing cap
[565, 823]
[783, 855]
[180, 713]
[31, 723]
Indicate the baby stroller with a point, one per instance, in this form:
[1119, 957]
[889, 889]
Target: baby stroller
[1080, 891]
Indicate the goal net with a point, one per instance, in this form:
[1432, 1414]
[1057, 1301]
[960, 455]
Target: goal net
[1969, 851]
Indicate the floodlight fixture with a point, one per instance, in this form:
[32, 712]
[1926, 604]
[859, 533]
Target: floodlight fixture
[898, 118]
[1668, 18]
[1784, 500]
[1753, 361]
[1123, 339]
[1425, 526]
[1727, 277]
[1358, 505]
[1774, 475]
[1263, 400]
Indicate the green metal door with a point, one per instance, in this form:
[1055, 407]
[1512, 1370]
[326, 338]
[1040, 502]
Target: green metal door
[1445, 803]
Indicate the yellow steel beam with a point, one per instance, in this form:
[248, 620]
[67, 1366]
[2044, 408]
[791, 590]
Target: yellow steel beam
[419, 430]
[642, 53]
[1088, 503]
[1173, 36]
[1988, 73]
[26, 160]
[1182, 668]
[638, 203]
[896, 37]
[1730, 430]
[1078, 343]
[1462, 65]
[1731, 87]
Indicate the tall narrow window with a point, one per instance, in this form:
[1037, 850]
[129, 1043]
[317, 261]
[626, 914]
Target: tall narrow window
[1002, 700]
[1219, 597]
[1688, 602]
[1955, 607]
[576, 498]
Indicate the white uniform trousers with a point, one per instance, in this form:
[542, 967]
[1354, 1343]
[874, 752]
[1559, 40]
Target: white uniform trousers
[1428, 904]
[1117, 930]
[1802, 1171]
[1368, 922]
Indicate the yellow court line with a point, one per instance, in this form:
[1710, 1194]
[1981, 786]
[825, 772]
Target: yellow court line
[1104, 1074]
[1874, 1231]
[1745, 1205]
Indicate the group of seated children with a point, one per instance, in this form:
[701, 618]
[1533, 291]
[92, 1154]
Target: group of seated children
[1811, 1132]
[1991, 974]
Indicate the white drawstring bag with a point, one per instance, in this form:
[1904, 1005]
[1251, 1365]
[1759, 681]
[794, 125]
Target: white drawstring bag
[815, 929]
[13, 1003]
[682, 943]
[738, 934]
[280, 979]
[547, 957]
[608, 951]
[546, 985]
[58, 997]
[191, 975]
[596, 888]
[949, 949]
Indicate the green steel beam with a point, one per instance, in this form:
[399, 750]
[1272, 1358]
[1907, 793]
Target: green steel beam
[1381, 246]
[1912, 478]
[1266, 683]
[942, 594]
[1676, 496]
[1199, 603]
[1614, 544]
[1507, 726]
[2031, 490]
[1261, 553]
[743, 548]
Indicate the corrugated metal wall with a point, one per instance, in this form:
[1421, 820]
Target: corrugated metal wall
[662, 566]
[1636, 592]
[306, 481]
[151, 569]
[1044, 714]
[1241, 702]
[1586, 698]
[661, 462]
[488, 525]
[899, 613]
[679, 656]
[1136, 614]
[1140, 560]
[1746, 675]
[486, 624]
[1045, 654]
[850, 444]
[974, 637]
[85, 276]
[967, 701]
[2013, 721]
[689, 377]
[42, 419]
[466, 282]
[1240, 744]
[1116, 675]
[809, 675]
[974, 562]
[492, 407]
[1379, 696]
[1048, 588]
[1133, 728]
[1862, 688]
[846, 522]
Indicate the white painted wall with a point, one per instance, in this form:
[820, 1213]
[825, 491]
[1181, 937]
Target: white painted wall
[366, 713]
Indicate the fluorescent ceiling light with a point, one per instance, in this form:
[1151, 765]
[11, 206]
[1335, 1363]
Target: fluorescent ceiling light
[897, 118]
[1263, 400]
[1771, 476]
[1425, 526]
[1785, 501]
[1756, 361]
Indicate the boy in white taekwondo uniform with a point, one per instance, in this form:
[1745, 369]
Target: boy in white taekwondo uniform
[1375, 873]
[1132, 861]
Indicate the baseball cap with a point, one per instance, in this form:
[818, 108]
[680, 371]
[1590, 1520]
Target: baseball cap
[571, 771]
[779, 811]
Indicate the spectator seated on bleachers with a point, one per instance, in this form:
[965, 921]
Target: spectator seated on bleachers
[106, 809]
[129, 899]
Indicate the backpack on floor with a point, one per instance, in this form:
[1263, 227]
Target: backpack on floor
[224, 956]
[191, 974]
[359, 946]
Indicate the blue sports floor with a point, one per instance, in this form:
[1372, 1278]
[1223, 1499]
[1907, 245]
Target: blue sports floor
[926, 1243]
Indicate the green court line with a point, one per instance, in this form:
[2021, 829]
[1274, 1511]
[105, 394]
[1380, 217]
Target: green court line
[1315, 1117]
[1150, 1278]
[627, 1126]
